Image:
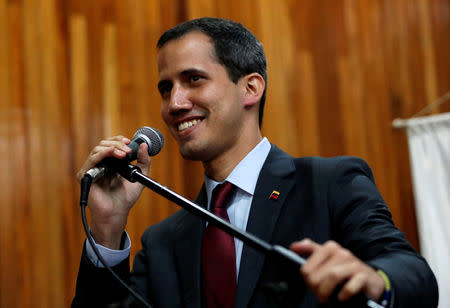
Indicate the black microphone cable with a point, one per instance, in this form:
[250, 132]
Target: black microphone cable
[85, 187]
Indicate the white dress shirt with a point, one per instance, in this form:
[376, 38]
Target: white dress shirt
[244, 176]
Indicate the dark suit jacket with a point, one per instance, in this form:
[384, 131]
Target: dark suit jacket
[322, 199]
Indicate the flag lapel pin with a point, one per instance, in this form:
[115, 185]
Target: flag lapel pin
[274, 195]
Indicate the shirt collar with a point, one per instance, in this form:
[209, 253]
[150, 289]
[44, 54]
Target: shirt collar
[246, 173]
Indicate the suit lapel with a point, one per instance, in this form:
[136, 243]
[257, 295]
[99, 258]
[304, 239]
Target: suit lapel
[276, 175]
[188, 242]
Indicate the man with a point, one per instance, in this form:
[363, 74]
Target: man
[212, 80]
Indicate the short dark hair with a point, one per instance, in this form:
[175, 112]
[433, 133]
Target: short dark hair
[235, 46]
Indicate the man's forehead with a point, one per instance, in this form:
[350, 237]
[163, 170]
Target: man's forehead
[191, 50]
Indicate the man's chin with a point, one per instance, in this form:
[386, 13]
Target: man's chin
[195, 154]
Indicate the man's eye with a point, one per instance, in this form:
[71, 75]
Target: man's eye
[195, 78]
[165, 89]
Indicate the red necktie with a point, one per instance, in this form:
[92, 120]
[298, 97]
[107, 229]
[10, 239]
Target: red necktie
[218, 255]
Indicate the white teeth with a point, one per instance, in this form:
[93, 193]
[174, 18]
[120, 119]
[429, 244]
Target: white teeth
[187, 124]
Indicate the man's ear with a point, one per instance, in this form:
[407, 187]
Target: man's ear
[254, 86]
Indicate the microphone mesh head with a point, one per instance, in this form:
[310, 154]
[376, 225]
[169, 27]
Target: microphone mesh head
[153, 138]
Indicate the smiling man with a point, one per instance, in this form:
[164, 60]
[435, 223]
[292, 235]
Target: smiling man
[212, 80]
[213, 118]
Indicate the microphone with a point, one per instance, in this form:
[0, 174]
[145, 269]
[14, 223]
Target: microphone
[151, 136]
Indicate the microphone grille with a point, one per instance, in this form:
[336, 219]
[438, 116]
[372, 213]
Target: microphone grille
[153, 137]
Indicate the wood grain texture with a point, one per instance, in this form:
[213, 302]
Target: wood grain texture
[6, 198]
[73, 72]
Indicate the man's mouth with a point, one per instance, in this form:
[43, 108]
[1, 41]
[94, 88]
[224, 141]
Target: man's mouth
[187, 124]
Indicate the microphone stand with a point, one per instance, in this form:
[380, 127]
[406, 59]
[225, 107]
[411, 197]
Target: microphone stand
[133, 174]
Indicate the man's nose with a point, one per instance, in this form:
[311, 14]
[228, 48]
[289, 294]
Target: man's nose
[179, 99]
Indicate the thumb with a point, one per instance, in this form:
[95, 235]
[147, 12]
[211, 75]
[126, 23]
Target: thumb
[143, 159]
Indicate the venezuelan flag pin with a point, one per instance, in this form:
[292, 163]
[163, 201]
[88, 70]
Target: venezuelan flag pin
[274, 195]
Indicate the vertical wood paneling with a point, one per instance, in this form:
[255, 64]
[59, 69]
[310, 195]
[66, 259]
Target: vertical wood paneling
[93, 13]
[19, 227]
[50, 217]
[440, 15]
[306, 109]
[349, 70]
[400, 91]
[200, 8]
[111, 108]
[74, 72]
[428, 51]
[6, 198]
[35, 148]
[278, 47]
[79, 80]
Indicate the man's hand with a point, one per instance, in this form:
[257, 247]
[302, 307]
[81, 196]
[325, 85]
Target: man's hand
[111, 198]
[330, 265]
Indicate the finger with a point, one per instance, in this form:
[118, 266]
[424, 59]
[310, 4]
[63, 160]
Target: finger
[106, 148]
[334, 277]
[321, 255]
[304, 247]
[322, 272]
[118, 144]
[143, 159]
[101, 152]
[97, 154]
[353, 286]
[311, 269]
[340, 264]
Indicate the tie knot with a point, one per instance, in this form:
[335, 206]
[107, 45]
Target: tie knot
[221, 195]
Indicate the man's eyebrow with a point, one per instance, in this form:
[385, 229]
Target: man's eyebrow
[191, 71]
[186, 72]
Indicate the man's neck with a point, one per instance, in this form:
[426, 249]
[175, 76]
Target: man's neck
[219, 168]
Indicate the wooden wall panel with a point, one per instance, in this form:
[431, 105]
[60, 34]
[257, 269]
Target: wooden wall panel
[73, 72]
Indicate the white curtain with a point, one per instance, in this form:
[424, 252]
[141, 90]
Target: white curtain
[429, 149]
